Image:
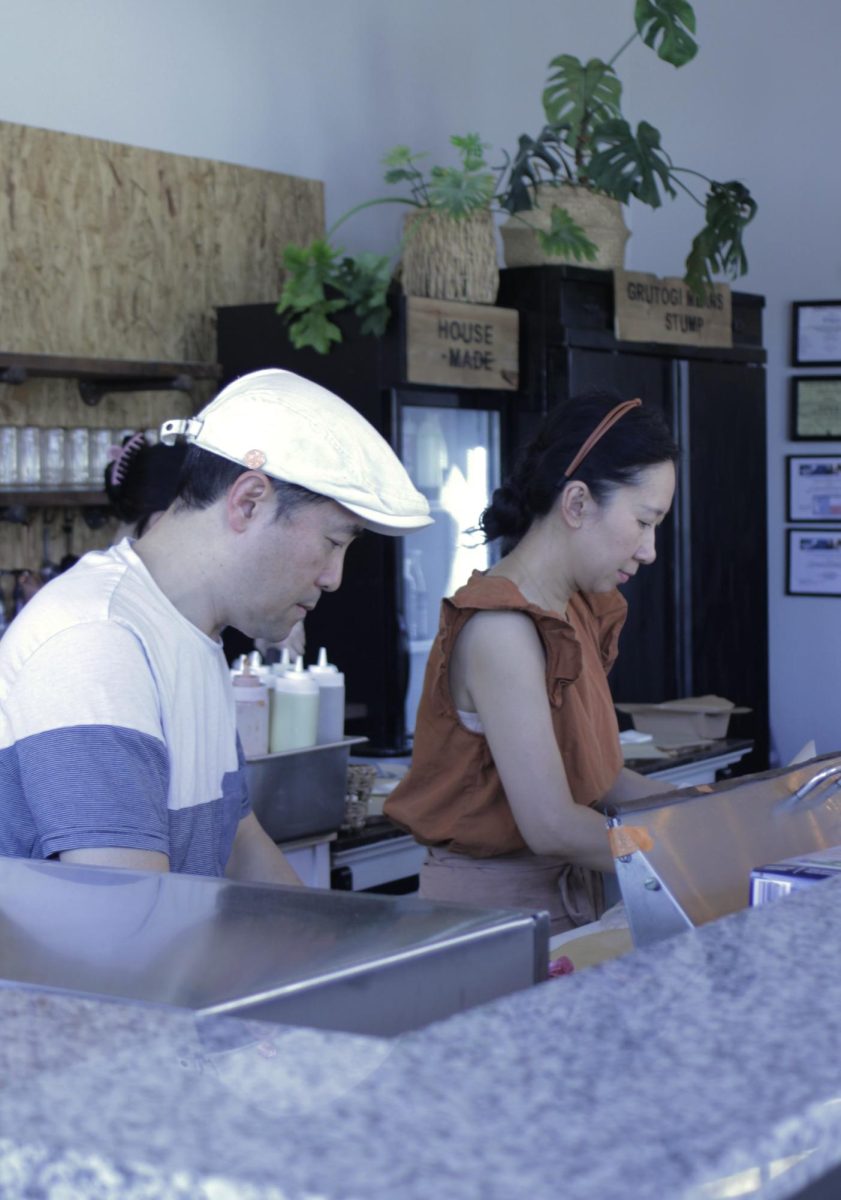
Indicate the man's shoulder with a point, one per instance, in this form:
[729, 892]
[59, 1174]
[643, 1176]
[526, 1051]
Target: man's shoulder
[92, 595]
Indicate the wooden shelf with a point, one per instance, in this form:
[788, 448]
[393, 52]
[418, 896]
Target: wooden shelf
[97, 376]
[61, 496]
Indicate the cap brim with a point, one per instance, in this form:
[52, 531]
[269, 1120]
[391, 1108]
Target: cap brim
[391, 526]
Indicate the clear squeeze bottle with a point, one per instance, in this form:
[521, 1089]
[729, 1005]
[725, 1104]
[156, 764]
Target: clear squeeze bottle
[251, 698]
[331, 702]
[294, 710]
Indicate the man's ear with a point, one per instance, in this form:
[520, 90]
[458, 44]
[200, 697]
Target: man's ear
[574, 503]
[245, 497]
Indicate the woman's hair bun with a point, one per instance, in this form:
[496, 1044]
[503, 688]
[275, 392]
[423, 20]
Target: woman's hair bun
[507, 514]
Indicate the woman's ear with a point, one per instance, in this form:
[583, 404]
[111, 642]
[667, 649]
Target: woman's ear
[573, 503]
[244, 498]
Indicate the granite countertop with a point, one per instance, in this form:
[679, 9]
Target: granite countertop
[703, 1067]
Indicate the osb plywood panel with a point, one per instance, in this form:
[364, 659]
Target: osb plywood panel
[113, 251]
[121, 252]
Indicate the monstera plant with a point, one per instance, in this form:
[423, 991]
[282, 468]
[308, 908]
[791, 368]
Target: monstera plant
[587, 142]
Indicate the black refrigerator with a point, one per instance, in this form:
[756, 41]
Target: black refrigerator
[698, 617]
[455, 443]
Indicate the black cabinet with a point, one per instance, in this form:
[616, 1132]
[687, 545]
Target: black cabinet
[697, 618]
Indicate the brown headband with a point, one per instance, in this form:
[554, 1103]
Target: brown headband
[601, 429]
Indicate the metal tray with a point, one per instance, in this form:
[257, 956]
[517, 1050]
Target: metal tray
[299, 793]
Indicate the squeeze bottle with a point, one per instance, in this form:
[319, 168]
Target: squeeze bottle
[293, 723]
[331, 702]
[251, 698]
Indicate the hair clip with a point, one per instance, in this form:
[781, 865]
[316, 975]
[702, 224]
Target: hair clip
[124, 455]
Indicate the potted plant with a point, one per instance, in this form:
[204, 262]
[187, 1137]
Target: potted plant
[448, 248]
[587, 152]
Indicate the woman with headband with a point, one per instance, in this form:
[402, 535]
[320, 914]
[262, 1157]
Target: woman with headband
[516, 741]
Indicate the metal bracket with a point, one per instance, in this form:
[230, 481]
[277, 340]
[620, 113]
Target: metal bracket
[13, 375]
[92, 390]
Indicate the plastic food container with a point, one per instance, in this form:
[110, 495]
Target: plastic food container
[694, 719]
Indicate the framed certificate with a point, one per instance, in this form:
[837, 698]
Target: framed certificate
[813, 562]
[816, 333]
[813, 487]
[815, 408]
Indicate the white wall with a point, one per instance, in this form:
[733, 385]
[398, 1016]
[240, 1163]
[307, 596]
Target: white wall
[322, 89]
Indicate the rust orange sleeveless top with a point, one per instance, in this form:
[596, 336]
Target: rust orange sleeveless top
[452, 796]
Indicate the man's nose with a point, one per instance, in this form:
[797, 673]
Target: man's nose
[331, 577]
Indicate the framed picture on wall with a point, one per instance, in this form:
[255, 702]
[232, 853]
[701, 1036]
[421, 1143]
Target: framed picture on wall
[816, 333]
[815, 408]
[813, 487]
[813, 562]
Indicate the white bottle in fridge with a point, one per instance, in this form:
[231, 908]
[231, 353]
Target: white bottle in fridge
[331, 699]
[251, 698]
[293, 723]
[415, 597]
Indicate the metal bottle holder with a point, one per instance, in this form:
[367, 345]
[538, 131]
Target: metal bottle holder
[685, 858]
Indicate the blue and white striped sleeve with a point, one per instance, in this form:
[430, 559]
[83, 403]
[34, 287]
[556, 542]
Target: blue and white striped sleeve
[84, 726]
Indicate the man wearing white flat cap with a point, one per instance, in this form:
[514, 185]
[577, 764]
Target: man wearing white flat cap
[117, 733]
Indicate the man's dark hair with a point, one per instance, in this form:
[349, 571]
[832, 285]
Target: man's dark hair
[205, 477]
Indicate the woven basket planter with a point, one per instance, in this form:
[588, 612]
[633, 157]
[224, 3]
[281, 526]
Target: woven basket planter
[600, 217]
[449, 259]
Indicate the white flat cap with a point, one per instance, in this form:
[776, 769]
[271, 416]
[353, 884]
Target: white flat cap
[297, 431]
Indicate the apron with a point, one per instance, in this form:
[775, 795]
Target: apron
[572, 895]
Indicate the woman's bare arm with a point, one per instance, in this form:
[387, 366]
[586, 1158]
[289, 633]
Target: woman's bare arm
[499, 671]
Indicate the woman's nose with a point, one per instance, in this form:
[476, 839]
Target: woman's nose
[647, 552]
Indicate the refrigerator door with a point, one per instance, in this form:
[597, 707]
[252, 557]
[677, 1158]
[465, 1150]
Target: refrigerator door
[453, 455]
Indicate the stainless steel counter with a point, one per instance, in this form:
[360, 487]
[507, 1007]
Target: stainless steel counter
[686, 857]
[329, 960]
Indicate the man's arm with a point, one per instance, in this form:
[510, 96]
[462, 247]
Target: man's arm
[256, 859]
[117, 856]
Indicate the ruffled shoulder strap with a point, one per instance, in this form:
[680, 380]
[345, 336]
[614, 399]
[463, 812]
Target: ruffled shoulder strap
[496, 594]
[607, 610]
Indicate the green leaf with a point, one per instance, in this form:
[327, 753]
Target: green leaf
[364, 281]
[457, 193]
[401, 156]
[565, 238]
[625, 165]
[719, 248]
[671, 23]
[472, 150]
[580, 97]
[309, 269]
[314, 328]
[536, 159]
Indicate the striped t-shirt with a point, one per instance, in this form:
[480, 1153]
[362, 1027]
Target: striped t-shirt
[117, 723]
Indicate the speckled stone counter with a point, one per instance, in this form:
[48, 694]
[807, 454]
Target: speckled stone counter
[707, 1066]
